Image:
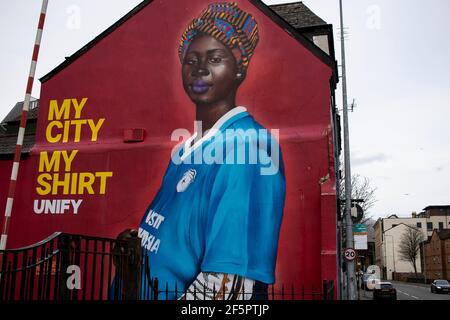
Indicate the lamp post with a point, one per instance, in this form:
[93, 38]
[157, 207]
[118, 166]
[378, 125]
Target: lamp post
[351, 281]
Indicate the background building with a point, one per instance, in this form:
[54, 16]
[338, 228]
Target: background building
[436, 262]
[9, 128]
[388, 233]
[437, 217]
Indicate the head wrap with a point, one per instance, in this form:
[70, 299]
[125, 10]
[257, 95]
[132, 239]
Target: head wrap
[230, 25]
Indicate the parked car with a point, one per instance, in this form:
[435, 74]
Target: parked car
[384, 290]
[440, 286]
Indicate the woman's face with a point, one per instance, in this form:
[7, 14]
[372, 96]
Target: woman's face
[209, 71]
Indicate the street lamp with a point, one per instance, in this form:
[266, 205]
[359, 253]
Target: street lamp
[350, 264]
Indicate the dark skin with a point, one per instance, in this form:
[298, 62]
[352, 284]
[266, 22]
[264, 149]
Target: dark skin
[211, 78]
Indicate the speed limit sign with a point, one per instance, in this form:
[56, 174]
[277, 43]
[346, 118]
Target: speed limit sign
[349, 254]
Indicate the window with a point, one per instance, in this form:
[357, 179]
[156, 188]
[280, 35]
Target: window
[419, 224]
[441, 225]
[429, 226]
[386, 286]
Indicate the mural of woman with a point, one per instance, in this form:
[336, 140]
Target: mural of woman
[214, 223]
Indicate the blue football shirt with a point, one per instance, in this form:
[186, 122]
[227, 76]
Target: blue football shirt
[219, 208]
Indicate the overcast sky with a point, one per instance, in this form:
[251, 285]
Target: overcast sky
[397, 66]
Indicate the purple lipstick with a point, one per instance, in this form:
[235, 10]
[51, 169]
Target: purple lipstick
[200, 87]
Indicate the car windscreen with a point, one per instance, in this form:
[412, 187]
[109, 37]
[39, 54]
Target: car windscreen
[386, 286]
[442, 282]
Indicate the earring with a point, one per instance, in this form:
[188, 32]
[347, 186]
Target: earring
[239, 75]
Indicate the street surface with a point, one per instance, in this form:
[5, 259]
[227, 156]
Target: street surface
[409, 291]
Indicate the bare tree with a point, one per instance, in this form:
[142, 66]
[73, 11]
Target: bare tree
[361, 189]
[410, 245]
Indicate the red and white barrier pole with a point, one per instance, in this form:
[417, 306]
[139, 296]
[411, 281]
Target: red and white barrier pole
[23, 122]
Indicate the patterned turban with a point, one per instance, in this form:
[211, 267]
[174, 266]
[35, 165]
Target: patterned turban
[230, 25]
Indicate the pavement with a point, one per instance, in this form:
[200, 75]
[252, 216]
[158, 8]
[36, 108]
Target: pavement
[365, 295]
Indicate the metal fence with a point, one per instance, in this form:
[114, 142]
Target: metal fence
[76, 267]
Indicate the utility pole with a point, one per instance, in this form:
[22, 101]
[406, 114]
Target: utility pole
[23, 124]
[351, 285]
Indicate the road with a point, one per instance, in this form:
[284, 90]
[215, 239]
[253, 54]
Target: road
[410, 291]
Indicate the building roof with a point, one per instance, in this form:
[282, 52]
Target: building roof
[285, 19]
[10, 125]
[298, 15]
[397, 225]
[16, 112]
[443, 234]
[395, 217]
[8, 144]
[427, 239]
[436, 207]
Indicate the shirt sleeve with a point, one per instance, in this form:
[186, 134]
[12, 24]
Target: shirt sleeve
[243, 221]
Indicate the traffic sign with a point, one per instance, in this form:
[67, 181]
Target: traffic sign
[357, 213]
[349, 254]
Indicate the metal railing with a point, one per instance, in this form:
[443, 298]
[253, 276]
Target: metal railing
[78, 267]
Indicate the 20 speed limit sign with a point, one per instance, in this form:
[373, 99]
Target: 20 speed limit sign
[349, 254]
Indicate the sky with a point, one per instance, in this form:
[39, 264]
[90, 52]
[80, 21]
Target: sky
[398, 72]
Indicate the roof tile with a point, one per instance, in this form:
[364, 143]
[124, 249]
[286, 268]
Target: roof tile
[298, 15]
